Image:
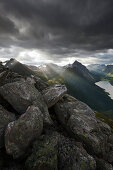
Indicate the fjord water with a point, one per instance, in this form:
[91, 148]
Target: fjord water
[106, 86]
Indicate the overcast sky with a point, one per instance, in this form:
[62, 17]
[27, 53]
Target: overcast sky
[59, 31]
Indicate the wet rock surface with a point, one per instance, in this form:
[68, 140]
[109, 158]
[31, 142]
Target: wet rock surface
[68, 136]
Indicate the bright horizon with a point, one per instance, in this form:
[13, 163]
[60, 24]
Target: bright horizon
[57, 31]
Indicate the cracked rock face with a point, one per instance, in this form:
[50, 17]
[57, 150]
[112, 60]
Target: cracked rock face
[5, 118]
[53, 94]
[19, 134]
[21, 94]
[80, 121]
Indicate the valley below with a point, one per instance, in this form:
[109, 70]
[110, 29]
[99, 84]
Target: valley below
[106, 86]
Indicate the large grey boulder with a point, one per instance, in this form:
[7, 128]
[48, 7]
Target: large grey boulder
[5, 118]
[80, 121]
[21, 94]
[72, 156]
[7, 76]
[53, 93]
[55, 152]
[20, 134]
[44, 154]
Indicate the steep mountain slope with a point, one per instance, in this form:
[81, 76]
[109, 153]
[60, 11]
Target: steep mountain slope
[22, 69]
[88, 92]
[51, 70]
[33, 68]
[78, 79]
[18, 67]
[82, 71]
[49, 129]
[81, 84]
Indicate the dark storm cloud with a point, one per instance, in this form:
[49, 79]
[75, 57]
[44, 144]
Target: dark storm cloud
[7, 26]
[57, 26]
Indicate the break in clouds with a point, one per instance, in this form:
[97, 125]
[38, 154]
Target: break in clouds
[59, 31]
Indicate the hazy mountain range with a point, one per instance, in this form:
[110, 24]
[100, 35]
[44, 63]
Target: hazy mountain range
[102, 68]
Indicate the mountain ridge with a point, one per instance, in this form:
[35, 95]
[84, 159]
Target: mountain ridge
[77, 79]
[48, 127]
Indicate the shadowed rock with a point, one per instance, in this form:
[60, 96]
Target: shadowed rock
[53, 94]
[40, 84]
[5, 118]
[72, 156]
[103, 165]
[80, 121]
[19, 134]
[55, 152]
[21, 94]
[44, 154]
[7, 76]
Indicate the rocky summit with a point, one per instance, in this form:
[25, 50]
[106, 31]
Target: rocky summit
[44, 128]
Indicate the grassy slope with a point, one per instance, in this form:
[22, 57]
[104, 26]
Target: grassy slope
[105, 119]
[87, 92]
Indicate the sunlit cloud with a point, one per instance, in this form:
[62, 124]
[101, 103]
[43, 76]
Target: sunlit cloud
[38, 57]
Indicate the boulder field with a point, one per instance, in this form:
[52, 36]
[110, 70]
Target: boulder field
[44, 128]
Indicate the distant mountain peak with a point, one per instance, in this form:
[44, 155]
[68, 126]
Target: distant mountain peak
[10, 63]
[80, 65]
[81, 70]
[77, 62]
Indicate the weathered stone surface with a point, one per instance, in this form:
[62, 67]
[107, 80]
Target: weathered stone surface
[73, 157]
[22, 94]
[40, 84]
[5, 118]
[80, 121]
[53, 94]
[7, 76]
[82, 142]
[44, 154]
[54, 151]
[102, 165]
[19, 134]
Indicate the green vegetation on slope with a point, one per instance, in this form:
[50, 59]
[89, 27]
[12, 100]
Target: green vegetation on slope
[85, 91]
[105, 119]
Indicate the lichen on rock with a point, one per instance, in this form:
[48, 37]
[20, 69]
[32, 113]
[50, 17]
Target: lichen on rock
[20, 133]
